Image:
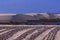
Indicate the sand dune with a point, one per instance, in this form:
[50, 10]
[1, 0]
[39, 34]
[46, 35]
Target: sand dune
[30, 33]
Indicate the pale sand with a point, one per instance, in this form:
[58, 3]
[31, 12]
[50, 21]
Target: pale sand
[18, 34]
[2, 29]
[57, 35]
[28, 36]
[40, 37]
[6, 31]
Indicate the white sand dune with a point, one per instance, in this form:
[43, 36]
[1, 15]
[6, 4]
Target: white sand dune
[14, 36]
[6, 31]
[18, 34]
[2, 29]
[57, 35]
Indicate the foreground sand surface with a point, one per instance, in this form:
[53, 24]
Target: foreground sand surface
[29, 32]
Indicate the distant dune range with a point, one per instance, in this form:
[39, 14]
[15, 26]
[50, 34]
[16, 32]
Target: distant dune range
[27, 16]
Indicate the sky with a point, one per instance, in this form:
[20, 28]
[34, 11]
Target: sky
[29, 6]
